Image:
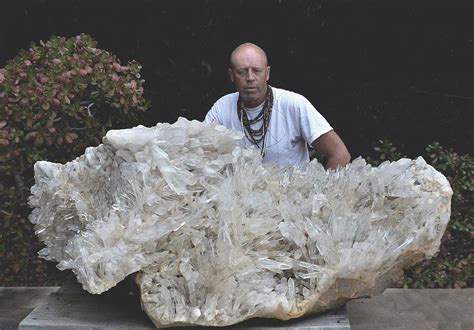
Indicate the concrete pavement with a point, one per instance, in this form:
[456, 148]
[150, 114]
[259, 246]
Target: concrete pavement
[394, 309]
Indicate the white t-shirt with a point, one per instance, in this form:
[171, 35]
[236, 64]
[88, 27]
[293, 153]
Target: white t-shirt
[294, 123]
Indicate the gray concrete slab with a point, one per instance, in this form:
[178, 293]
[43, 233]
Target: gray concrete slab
[86, 311]
[17, 302]
[394, 309]
[419, 309]
[72, 308]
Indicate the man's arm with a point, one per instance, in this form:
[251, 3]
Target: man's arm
[332, 147]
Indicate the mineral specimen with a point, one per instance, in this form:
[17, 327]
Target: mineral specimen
[216, 237]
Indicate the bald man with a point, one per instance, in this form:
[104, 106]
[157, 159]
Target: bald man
[280, 123]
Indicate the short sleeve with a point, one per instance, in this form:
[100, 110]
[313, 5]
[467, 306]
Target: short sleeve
[212, 116]
[313, 124]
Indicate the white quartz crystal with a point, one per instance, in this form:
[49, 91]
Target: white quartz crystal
[216, 237]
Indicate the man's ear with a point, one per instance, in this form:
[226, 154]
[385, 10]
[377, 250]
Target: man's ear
[268, 73]
[229, 71]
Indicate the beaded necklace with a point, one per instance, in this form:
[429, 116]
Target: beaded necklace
[257, 135]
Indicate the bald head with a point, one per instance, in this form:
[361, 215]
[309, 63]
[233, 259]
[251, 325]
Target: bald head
[249, 71]
[247, 50]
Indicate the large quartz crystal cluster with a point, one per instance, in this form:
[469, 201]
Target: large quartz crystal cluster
[216, 237]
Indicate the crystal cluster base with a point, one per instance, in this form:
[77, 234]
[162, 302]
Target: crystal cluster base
[216, 237]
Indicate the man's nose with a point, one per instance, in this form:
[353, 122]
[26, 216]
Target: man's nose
[250, 75]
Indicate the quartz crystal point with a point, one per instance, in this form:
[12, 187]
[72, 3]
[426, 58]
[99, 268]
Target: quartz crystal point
[216, 237]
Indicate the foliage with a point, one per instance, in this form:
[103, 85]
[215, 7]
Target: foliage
[452, 267]
[56, 99]
[58, 93]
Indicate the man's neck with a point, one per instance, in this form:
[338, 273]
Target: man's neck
[257, 107]
[256, 103]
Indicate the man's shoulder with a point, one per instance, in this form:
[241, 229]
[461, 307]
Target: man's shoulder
[288, 97]
[221, 110]
[228, 98]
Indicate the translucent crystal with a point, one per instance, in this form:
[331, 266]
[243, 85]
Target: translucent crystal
[216, 237]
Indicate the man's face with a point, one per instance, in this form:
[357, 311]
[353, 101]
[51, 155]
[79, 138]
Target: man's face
[250, 73]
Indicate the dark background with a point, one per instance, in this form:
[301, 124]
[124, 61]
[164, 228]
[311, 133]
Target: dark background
[401, 70]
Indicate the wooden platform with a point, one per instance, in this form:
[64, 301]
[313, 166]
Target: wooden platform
[72, 308]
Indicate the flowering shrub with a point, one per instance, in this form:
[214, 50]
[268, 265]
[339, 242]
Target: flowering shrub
[56, 99]
[61, 96]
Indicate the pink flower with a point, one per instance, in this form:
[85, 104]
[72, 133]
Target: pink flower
[43, 79]
[63, 78]
[70, 137]
[27, 62]
[117, 67]
[55, 102]
[2, 75]
[132, 84]
[115, 77]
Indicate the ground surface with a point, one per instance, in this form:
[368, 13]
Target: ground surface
[17, 303]
[394, 309]
[414, 309]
